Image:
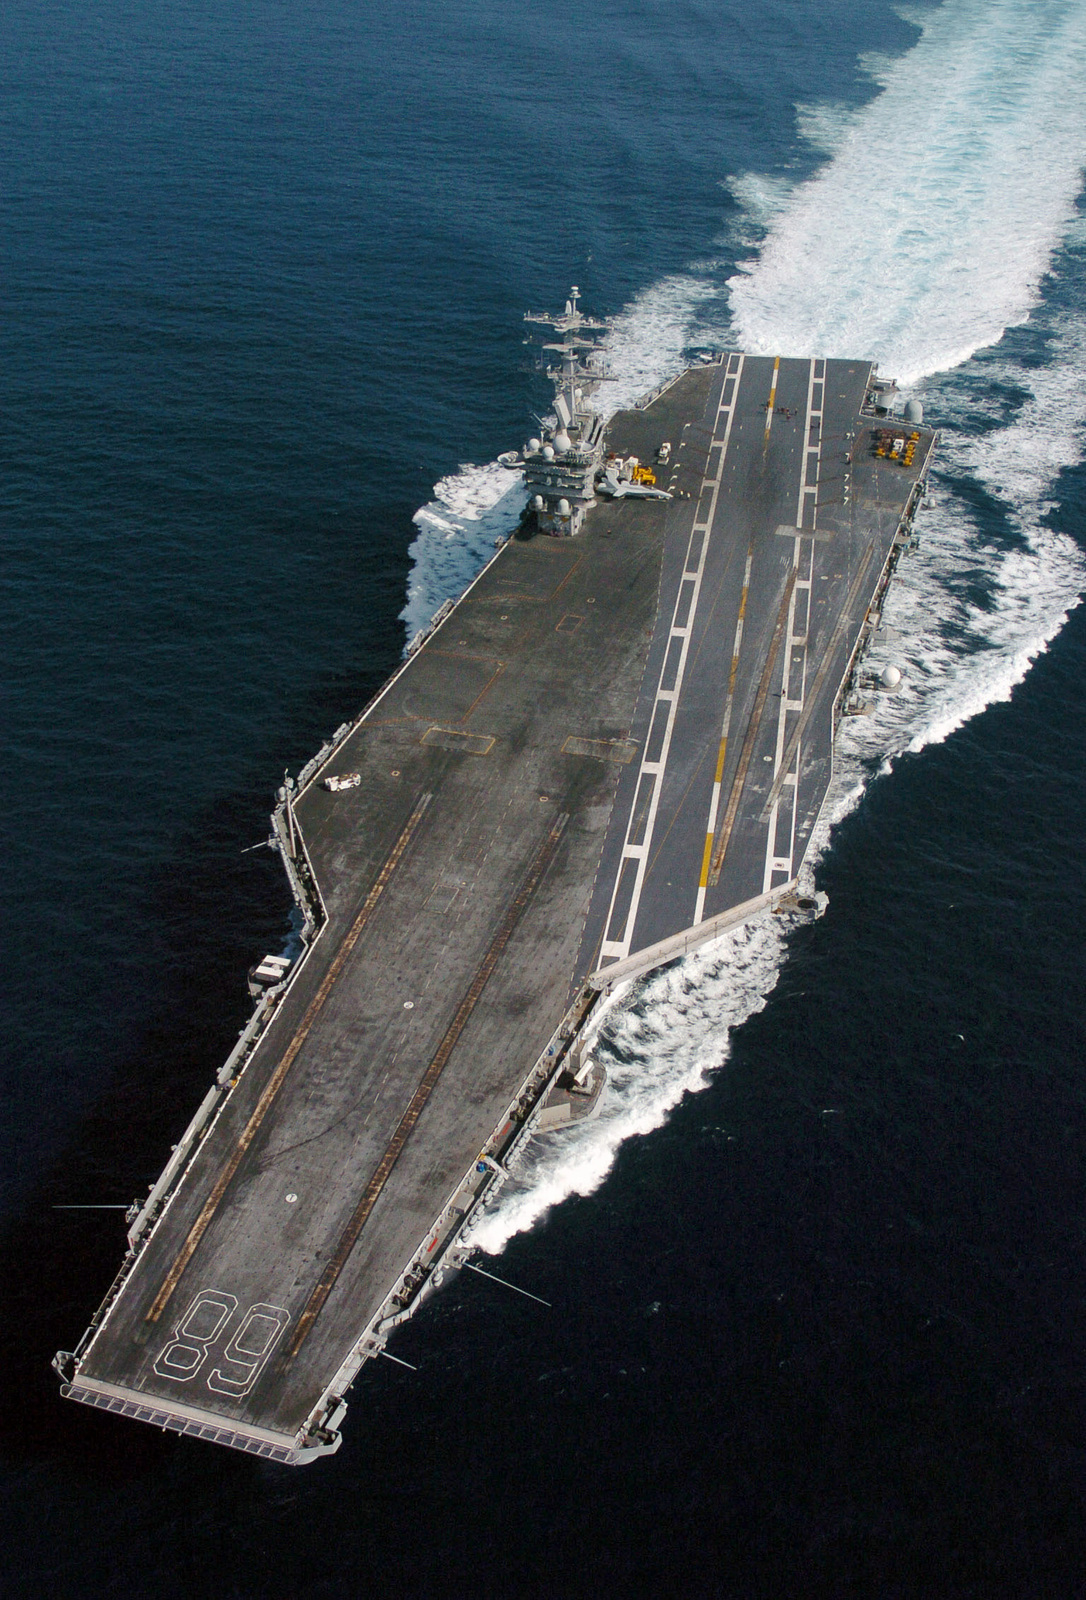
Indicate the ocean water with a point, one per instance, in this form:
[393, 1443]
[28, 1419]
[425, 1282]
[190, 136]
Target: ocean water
[816, 1272]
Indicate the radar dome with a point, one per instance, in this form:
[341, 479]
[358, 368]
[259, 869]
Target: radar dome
[537, 502]
[914, 411]
[563, 508]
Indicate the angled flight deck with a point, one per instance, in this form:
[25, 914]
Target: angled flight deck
[768, 579]
[613, 744]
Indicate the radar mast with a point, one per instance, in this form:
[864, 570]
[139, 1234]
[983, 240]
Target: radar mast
[561, 468]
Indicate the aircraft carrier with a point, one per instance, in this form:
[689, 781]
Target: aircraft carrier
[613, 746]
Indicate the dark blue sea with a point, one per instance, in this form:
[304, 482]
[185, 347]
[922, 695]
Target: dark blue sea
[818, 1273]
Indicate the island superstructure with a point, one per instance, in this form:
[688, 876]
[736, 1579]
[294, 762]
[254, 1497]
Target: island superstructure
[561, 472]
[614, 746]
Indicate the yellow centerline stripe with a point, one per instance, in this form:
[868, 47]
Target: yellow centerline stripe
[704, 525]
[705, 860]
[722, 752]
[752, 732]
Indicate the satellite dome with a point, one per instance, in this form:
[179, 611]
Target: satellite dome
[914, 411]
[533, 447]
[548, 452]
[889, 677]
[562, 442]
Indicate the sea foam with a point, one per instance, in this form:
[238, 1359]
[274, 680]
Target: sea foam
[930, 230]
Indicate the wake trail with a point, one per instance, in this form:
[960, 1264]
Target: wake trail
[929, 232]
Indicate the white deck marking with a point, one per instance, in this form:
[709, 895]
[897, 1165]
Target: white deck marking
[245, 1355]
[798, 618]
[771, 403]
[795, 657]
[617, 947]
[722, 748]
[203, 1326]
[193, 1335]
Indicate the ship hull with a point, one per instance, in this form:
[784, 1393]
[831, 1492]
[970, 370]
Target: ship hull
[610, 748]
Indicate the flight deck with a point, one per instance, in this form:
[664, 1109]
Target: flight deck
[614, 745]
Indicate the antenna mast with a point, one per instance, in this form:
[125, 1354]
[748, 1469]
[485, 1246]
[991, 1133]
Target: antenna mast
[561, 468]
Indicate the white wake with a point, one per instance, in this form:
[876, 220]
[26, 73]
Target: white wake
[456, 533]
[662, 1042]
[963, 619]
[929, 232]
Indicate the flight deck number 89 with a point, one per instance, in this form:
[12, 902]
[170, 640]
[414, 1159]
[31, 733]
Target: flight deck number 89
[241, 1359]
